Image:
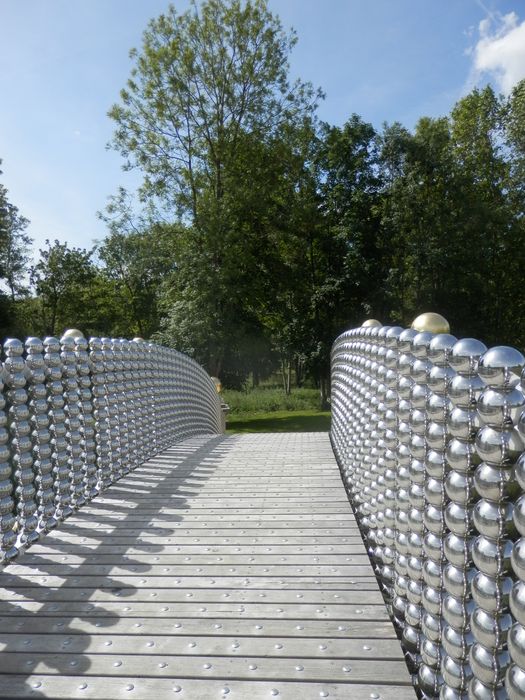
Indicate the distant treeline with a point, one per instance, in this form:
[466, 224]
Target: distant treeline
[265, 233]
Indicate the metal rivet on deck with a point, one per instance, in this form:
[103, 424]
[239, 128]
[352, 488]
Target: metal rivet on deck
[323, 694]
[225, 691]
[278, 646]
[82, 686]
[235, 645]
[258, 627]
[73, 663]
[347, 669]
[162, 664]
[192, 645]
[274, 691]
[129, 686]
[252, 667]
[322, 647]
[150, 644]
[37, 684]
[117, 664]
[108, 643]
[366, 647]
[177, 688]
[177, 625]
[206, 666]
[375, 696]
[299, 668]
[358, 612]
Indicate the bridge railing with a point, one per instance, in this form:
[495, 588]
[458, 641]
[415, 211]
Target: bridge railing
[429, 433]
[77, 415]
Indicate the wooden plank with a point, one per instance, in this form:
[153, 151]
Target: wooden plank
[181, 645]
[212, 667]
[211, 559]
[254, 611]
[143, 562]
[366, 631]
[265, 583]
[163, 592]
[197, 549]
[145, 688]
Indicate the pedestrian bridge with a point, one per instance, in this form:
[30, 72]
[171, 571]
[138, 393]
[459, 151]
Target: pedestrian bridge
[146, 554]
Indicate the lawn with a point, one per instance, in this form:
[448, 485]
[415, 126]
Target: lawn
[279, 422]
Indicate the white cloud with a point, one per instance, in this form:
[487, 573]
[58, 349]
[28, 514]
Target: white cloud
[499, 53]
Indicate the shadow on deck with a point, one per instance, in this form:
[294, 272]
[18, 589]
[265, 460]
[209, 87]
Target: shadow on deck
[224, 567]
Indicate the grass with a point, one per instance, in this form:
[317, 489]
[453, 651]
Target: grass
[266, 400]
[279, 422]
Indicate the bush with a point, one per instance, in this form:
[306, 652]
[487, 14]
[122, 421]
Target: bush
[266, 400]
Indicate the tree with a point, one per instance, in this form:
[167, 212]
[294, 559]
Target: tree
[137, 262]
[14, 246]
[209, 104]
[62, 278]
[203, 79]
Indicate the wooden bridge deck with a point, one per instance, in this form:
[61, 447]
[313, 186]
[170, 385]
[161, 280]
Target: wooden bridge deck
[227, 567]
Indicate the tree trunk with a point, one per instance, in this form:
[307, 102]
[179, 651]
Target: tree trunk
[324, 391]
[289, 379]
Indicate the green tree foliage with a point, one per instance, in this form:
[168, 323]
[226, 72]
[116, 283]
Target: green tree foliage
[202, 81]
[135, 263]
[14, 257]
[61, 278]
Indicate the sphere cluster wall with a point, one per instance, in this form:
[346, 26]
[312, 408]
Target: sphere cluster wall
[429, 434]
[77, 415]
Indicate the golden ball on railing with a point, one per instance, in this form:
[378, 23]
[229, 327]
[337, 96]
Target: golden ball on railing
[218, 385]
[371, 323]
[72, 333]
[431, 322]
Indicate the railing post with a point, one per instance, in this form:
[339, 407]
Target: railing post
[9, 520]
[18, 373]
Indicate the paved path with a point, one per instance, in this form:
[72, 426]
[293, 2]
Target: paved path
[227, 567]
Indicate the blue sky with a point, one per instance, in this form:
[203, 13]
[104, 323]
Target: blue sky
[63, 62]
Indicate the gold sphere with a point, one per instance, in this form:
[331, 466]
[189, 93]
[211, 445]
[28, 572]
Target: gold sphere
[73, 333]
[431, 322]
[372, 323]
[218, 385]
